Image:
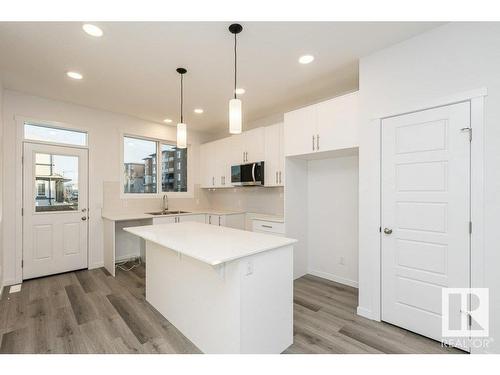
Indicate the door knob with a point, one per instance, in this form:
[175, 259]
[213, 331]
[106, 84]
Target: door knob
[84, 218]
[387, 230]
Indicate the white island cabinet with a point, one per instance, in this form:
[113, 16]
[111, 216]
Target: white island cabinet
[226, 290]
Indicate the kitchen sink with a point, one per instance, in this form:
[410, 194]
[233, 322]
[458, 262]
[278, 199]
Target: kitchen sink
[160, 213]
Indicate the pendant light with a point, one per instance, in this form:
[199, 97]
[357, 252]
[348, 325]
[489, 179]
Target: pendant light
[181, 126]
[235, 118]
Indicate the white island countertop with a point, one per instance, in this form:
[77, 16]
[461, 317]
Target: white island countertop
[210, 244]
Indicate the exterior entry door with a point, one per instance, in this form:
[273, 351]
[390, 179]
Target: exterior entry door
[425, 215]
[55, 197]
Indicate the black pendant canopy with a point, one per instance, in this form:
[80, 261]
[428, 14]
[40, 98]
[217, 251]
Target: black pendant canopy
[235, 28]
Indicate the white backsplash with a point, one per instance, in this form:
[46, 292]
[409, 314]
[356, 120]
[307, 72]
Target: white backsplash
[113, 203]
[250, 199]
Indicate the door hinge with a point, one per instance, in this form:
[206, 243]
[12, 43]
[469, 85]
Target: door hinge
[470, 226]
[380, 229]
[22, 264]
[22, 211]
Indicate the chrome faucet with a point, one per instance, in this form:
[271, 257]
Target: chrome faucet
[165, 202]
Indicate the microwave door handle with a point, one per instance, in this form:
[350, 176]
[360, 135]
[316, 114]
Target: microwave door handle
[253, 172]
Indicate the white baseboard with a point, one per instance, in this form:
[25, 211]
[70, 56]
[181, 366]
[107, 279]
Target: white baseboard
[96, 265]
[365, 313]
[332, 277]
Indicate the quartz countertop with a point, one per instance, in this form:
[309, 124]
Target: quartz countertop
[124, 216]
[210, 244]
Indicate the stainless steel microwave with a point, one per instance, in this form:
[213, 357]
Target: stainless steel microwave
[248, 174]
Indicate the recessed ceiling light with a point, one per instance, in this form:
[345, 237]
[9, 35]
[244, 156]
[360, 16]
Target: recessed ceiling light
[92, 30]
[306, 59]
[167, 120]
[198, 110]
[239, 91]
[74, 75]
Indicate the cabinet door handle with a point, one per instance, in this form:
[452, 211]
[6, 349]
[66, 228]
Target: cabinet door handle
[213, 181]
[209, 219]
[276, 179]
[313, 142]
[267, 226]
[317, 142]
[219, 221]
[280, 177]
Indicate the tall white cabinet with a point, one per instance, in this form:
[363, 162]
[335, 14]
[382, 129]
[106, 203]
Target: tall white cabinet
[321, 190]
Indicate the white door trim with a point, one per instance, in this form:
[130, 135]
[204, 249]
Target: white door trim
[18, 162]
[476, 98]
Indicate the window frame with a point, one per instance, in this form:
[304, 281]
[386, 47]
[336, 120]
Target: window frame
[159, 169]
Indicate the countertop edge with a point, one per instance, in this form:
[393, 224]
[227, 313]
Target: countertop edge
[289, 241]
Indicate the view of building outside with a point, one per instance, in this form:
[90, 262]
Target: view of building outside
[174, 168]
[141, 170]
[56, 182]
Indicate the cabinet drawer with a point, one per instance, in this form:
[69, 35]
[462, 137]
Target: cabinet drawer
[268, 226]
[164, 220]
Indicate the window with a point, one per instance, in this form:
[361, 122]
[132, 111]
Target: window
[142, 165]
[48, 134]
[174, 169]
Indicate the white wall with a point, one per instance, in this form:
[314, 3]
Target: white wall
[454, 58]
[333, 219]
[104, 130]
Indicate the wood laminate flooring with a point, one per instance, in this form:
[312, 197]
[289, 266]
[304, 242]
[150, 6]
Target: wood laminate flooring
[91, 312]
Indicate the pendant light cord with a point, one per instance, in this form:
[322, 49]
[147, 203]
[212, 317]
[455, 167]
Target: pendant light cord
[182, 97]
[235, 66]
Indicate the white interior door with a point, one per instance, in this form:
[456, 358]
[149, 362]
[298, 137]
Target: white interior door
[425, 203]
[55, 225]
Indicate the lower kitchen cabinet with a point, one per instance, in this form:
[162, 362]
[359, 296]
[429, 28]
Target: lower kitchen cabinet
[236, 221]
[200, 218]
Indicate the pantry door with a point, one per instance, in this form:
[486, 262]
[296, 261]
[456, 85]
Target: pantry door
[425, 215]
[55, 196]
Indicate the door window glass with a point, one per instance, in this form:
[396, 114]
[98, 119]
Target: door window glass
[56, 182]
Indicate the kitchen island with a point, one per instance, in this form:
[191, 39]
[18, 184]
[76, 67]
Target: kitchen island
[227, 290]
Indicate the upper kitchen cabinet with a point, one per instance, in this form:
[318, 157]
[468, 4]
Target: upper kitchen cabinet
[252, 145]
[300, 131]
[338, 121]
[256, 145]
[208, 164]
[326, 126]
[274, 155]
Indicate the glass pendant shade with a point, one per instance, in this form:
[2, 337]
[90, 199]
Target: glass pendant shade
[235, 116]
[181, 135]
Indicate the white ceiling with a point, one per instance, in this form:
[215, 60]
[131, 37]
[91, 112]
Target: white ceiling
[131, 69]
